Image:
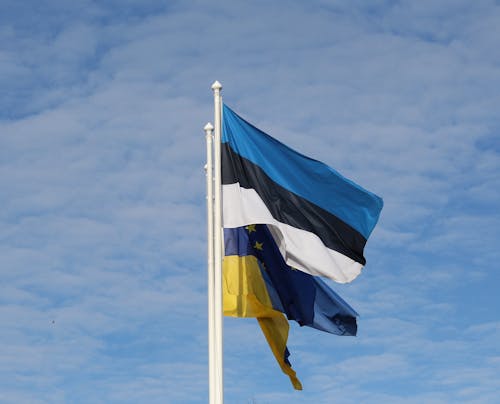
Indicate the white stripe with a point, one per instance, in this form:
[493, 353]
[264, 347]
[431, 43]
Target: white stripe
[300, 249]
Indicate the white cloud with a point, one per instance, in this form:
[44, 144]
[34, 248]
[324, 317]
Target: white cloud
[102, 221]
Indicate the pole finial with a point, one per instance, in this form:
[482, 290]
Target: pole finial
[208, 127]
[216, 85]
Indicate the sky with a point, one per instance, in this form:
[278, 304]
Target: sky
[102, 194]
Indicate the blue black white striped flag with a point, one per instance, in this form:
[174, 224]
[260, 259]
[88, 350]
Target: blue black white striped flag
[319, 219]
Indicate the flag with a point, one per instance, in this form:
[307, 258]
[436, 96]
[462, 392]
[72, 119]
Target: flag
[302, 297]
[245, 294]
[319, 219]
[258, 283]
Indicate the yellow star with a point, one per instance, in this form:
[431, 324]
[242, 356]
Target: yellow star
[250, 228]
[258, 246]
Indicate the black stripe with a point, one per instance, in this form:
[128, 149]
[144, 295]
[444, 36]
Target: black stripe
[290, 208]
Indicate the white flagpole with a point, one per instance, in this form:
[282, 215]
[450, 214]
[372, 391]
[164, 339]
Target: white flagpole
[210, 256]
[219, 369]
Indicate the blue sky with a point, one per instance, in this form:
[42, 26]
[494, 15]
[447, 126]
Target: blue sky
[102, 220]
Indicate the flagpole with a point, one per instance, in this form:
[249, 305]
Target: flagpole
[210, 257]
[219, 369]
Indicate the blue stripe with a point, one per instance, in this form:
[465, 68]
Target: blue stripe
[302, 175]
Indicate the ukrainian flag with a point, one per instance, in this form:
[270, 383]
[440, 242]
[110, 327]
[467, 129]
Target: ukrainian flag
[245, 295]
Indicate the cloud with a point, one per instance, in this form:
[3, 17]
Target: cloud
[103, 190]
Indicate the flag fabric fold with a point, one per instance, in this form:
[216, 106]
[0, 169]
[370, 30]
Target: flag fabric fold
[319, 219]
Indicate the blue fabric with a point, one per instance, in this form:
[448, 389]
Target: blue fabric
[302, 297]
[337, 318]
[302, 175]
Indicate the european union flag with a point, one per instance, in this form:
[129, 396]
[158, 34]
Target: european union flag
[258, 283]
[302, 297]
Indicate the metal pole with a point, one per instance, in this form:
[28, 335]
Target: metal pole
[216, 87]
[210, 256]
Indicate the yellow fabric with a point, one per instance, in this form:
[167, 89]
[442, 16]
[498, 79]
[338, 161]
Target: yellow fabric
[275, 330]
[245, 295]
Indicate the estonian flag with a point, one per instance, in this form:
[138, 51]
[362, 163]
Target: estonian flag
[319, 219]
[258, 283]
